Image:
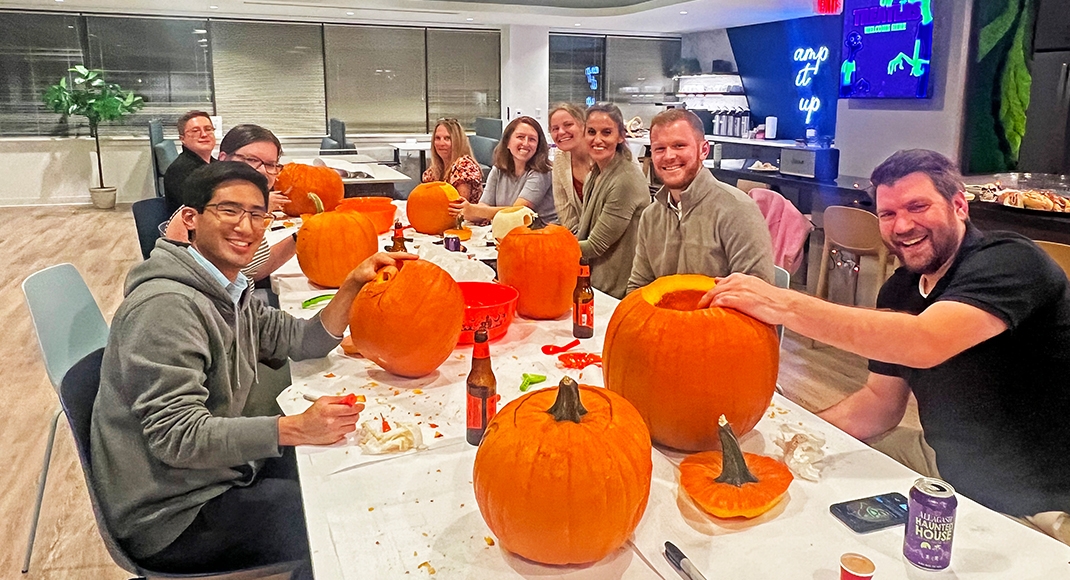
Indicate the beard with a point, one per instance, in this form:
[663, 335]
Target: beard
[928, 255]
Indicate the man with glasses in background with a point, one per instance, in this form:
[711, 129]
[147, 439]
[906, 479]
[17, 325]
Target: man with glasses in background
[187, 484]
[197, 135]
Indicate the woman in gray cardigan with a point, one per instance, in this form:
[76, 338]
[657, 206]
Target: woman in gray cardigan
[614, 196]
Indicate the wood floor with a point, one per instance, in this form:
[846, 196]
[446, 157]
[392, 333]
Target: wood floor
[103, 246]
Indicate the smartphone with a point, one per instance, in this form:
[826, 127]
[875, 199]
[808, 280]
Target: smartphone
[872, 513]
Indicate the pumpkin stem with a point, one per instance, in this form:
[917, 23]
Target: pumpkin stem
[537, 223]
[316, 200]
[568, 406]
[734, 469]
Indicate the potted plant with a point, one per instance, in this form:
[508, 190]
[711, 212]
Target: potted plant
[97, 100]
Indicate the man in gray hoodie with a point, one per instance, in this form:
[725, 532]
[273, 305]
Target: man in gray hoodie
[188, 484]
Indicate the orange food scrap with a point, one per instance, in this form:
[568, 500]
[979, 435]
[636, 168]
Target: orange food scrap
[329, 375]
[489, 540]
[417, 391]
[371, 509]
[438, 435]
[432, 425]
[427, 566]
[360, 398]
[415, 414]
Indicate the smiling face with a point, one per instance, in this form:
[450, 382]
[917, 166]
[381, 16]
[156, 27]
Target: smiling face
[230, 247]
[443, 143]
[256, 154]
[677, 153]
[198, 136]
[921, 227]
[566, 130]
[602, 136]
[522, 145]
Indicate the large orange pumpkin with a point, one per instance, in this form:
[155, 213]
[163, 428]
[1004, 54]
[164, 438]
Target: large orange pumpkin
[730, 483]
[542, 264]
[428, 207]
[408, 320]
[300, 180]
[563, 474]
[682, 366]
[330, 244]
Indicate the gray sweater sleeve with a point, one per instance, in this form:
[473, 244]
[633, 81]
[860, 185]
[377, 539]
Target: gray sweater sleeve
[746, 241]
[164, 383]
[627, 192]
[642, 270]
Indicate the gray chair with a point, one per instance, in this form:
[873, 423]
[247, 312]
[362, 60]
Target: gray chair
[77, 392]
[781, 279]
[148, 215]
[163, 152]
[69, 325]
[488, 133]
[335, 142]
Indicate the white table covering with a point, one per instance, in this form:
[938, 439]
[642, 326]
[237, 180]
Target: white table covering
[383, 516]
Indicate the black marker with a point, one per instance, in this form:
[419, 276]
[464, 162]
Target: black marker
[681, 563]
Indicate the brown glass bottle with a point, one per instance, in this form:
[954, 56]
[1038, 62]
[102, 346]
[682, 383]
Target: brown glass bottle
[398, 238]
[482, 390]
[583, 303]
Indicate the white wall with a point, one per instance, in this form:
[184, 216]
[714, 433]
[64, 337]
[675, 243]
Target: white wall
[707, 46]
[525, 71]
[868, 131]
[58, 171]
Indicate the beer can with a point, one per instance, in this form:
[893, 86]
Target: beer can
[452, 242]
[930, 524]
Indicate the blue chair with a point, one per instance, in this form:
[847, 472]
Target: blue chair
[69, 325]
[148, 215]
[77, 392]
[163, 152]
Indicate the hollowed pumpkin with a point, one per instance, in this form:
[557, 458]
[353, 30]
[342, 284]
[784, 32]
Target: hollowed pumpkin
[731, 483]
[563, 474]
[331, 244]
[300, 180]
[682, 366]
[542, 264]
[408, 320]
[428, 207]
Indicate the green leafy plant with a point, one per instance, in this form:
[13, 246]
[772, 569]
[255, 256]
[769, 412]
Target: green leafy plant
[90, 96]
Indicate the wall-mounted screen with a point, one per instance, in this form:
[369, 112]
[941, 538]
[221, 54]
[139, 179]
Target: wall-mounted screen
[887, 49]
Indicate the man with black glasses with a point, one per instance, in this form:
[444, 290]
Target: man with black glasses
[187, 484]
[197, 135]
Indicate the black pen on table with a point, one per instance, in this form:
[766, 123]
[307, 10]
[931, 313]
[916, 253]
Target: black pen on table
[681, 563]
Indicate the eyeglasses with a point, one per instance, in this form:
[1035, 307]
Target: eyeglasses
[232, 214]
[199, 131]
[257, 163]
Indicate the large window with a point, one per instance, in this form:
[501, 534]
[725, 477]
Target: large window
[638, 75]
[376, 78]
[269, 74]
[163, 60]
[463, 75]
[35, 52]
[577, 66]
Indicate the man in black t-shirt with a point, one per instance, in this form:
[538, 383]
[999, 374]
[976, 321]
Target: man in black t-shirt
[976, 324]
[197, 135]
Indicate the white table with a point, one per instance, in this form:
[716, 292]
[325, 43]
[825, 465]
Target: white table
[421, 146]
[380, 178]
[383, 516]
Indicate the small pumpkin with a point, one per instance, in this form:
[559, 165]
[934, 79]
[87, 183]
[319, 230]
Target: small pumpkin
[428, 207]
[330, 244]
[300, 180]
[563, 474]
[730, 483]
[463, 234]
[542, 263]
[681, 365]
[408, 320]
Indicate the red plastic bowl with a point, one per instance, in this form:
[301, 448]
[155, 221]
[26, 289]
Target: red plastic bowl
[380, 210]
[487, 305]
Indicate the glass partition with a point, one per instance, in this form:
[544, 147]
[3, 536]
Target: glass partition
[35, 52]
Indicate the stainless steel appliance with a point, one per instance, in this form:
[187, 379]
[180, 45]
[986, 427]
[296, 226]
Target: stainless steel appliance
[822, 164]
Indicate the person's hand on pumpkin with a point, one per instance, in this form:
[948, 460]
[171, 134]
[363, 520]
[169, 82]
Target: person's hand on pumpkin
[335, 316]
[459, 207]
[750, 295]
[327, 421]
[277, 199]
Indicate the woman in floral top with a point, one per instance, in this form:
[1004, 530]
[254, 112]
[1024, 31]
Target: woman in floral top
[452, 162]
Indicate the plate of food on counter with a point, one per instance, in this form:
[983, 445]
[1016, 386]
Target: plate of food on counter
[762, 166]
[1026, 199]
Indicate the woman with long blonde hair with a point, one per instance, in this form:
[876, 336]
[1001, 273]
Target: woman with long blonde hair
[572, 164]
[452, 162]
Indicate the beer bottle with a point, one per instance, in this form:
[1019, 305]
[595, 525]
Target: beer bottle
[583, 303]
[482, 390]
[398, 238]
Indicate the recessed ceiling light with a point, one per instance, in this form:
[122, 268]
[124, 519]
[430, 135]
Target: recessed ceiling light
[683, 12]
[213, 7]
[349, 13]
[469, 19]
[199, 31]
[577, 24]
[59, 0]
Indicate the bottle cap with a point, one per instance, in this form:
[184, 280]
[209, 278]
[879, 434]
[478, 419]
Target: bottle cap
[481, 335]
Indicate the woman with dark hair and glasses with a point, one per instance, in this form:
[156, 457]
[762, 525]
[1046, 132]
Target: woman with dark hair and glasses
[614, 196]
[520, 177]
[452, 161]
[260, 149]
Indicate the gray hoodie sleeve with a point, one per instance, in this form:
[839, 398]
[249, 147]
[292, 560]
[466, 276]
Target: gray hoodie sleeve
[282, 336]
[164, 384]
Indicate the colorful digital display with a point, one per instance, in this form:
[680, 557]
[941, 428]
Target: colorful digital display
[887, 49]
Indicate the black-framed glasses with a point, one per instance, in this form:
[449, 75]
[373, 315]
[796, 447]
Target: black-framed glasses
[232, 214]
[257, 163]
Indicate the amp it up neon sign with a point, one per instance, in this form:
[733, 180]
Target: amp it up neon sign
[810, 60]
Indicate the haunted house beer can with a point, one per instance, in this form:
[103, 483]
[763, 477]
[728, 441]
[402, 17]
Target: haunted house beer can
[930, 524]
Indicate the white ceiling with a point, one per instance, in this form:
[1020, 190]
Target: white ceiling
[647, 17]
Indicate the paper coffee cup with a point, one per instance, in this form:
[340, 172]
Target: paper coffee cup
[856, 567]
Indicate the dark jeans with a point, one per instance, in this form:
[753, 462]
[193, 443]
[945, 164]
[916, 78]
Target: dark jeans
[244, 527]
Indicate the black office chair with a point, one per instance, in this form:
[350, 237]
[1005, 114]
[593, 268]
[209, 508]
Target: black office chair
[76, 395]
[148, 215]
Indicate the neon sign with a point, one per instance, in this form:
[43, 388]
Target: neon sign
[592, 81]
[811, 60]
